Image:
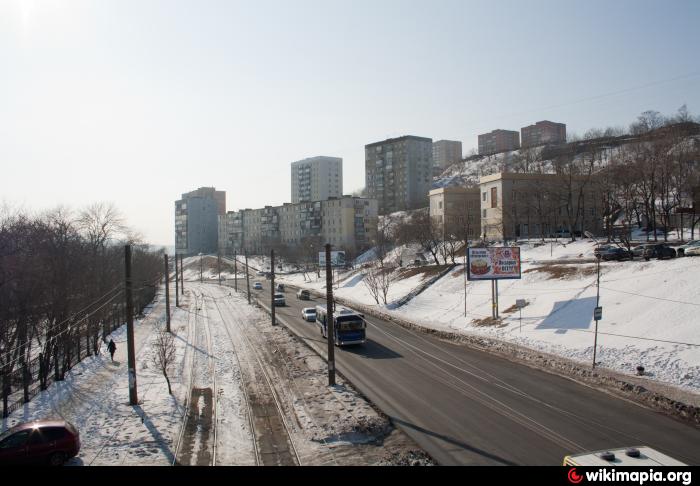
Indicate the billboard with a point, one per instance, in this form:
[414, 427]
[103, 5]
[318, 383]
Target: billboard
[493, 263]
[337, 258]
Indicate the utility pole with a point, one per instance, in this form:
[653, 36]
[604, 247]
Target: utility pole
[247, 278]
[133, 395]
[272, 285]
[235, 271]
[330, 320]
[182, 275]
[597, 307]
[177, 284]
[167, 292]
[218, 261]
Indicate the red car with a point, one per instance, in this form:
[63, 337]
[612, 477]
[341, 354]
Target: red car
[50, 442]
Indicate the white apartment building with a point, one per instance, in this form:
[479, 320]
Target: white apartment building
[317, 179]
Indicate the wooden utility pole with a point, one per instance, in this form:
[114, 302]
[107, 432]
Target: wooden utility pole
[133, 395]
[167, 292]
[330, 321]
[177, 284]
[182, 275]
[235, 271]
[272, 285]
[218, 261]
[247, 278]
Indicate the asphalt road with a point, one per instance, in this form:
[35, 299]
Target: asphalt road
[468, 407]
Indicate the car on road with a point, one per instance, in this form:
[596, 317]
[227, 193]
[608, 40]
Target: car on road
[659, 251]
[260, 273]
[303, 294]
[257, 286]
[279, 299]
[680, 251]
[613, 253]
[693, 251]
[279, 287]
[50, 442]
[308, 314]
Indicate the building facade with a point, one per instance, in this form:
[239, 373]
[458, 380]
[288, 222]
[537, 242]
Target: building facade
[542, 133]
[498, 141]
[197, 217]
[539, 205]
[457, 211]
[446, 153]
[348, 223]
[398, 173]
[317, 178]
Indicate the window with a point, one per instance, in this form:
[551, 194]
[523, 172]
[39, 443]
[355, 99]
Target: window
[483, 196]
[494, 197]
[440, 205]
[15, 440]
[483, 213]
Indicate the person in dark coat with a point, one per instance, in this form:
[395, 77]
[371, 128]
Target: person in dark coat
[112, 348]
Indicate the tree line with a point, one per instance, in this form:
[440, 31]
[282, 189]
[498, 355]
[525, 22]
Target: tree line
[62, 290]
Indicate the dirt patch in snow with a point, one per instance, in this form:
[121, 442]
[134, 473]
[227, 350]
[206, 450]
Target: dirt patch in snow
[564, 272]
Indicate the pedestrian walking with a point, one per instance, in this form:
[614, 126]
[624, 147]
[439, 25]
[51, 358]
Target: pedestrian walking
[112, 348]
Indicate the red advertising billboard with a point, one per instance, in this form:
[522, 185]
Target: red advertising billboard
[493, 263]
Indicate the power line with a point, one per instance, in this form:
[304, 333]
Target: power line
[652, 297]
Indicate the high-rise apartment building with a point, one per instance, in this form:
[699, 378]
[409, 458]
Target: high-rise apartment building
[498, 141]
[398, 172]
[317, 178]
[446, 153]
[197, 221]
[541, 133]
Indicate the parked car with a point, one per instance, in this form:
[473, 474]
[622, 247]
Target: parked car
[308, 314]
[50, 442]
[257, 286]
[279, 287]
[659, 251]
[615, 253]
[260, 273]
[601, 249]
[279, 299]
[680, 251]
[638, 251]
[303, 294]
[693, 251]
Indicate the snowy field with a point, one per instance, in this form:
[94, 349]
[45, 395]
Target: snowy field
[650, 309]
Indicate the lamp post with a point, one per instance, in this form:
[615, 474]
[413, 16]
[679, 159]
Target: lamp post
[200, 266]
[597, 313]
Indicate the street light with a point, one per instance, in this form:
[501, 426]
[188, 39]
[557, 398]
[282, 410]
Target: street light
[597, 313]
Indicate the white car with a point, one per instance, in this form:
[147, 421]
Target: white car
[692, 251]
[308, 314]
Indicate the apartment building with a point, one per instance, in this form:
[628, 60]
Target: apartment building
[317, 178]
[457, 211]
[498, 141]
[197, 217]
[446, 153]
[348, 223]
[538, 205]
[542, 133]
[398, 172]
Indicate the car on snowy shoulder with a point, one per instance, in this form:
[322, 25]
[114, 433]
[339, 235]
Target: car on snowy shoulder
[692, 251]
[659, 251]
[681, 250]
[48, 441]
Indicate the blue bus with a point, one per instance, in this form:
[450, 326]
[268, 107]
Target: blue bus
[350, 326]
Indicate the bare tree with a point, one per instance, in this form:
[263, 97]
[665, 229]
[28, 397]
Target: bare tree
[164, 351]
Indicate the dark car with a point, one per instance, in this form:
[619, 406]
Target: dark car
[659, 251]
[638, 251]
[50, 442]
[304, 294]
[615, 253]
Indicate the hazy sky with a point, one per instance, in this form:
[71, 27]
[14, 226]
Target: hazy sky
[136, 102]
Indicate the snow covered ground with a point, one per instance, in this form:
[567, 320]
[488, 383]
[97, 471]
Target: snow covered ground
[650, 309]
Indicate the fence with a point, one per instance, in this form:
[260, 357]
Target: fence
[24, 383]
